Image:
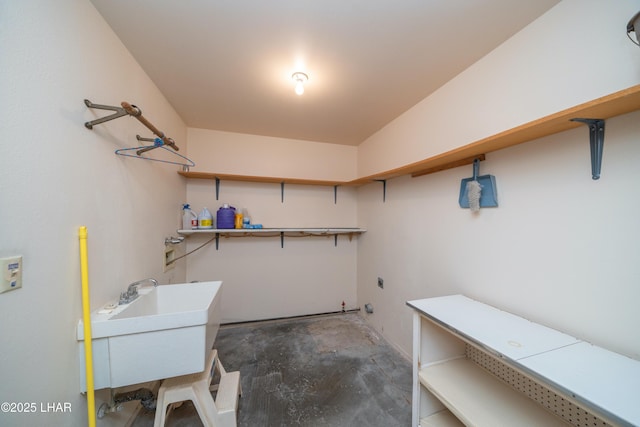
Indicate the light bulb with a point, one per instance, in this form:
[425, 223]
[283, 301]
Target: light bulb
[300, 79]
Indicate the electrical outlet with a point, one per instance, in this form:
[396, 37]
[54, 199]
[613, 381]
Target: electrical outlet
[10, 273]
[380, 283]
[169, 256]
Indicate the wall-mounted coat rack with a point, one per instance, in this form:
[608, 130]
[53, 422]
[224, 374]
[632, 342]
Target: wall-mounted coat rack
[162, 141]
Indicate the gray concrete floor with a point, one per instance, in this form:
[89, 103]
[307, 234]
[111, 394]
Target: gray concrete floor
[317, 371]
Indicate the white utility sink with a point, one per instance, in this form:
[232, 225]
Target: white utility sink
[166, 332]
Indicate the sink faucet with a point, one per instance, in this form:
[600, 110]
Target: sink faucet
[132, 290]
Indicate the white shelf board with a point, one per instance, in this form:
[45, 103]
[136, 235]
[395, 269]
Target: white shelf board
[477, 398]
[602, 381]
[441, 419]
[327, 230]
[499, 332]
[599, 379]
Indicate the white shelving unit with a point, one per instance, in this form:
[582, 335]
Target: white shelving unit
[476, 365]
[259, 231]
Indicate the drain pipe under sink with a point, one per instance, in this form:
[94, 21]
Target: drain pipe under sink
[144, 395]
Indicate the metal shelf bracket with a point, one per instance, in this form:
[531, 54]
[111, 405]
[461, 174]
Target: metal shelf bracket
[596, 141]
[384, 189]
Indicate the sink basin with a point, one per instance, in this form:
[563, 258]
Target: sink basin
[166, 332]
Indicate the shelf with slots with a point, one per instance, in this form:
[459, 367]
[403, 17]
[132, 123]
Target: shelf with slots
[477, 365]
[275, 232]
[615, 104]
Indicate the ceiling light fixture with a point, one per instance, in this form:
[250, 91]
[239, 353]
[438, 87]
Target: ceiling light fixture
[300, 79]
[634, 26]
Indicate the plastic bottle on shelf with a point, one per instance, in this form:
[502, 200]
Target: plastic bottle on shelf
[238, 218]
[226, 216]
[189, 218]
[246, 221]
[205, 220]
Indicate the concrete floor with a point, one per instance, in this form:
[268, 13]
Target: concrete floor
[317, 371]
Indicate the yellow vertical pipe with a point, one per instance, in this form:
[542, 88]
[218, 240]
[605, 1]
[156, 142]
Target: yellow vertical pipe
[86, 320]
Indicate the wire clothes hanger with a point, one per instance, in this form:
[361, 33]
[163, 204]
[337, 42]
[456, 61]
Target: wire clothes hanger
[162, 141]
[157, 143]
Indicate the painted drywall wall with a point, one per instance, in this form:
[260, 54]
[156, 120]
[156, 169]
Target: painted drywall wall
[242, 154]
[56, 175]
[576, 52]
[561, 248]
[261, 279]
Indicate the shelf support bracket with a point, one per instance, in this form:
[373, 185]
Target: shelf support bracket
[282, 192]
[384, 189]
[217, 188]
[335, 194]
[281, 239]
[335, 240]
[596, 141]
[217, 240]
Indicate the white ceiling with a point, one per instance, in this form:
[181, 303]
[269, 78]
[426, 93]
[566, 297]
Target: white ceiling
[227, 64]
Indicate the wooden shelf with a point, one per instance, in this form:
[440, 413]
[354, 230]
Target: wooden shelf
[267, 179]
[615, 104]
[478, 398]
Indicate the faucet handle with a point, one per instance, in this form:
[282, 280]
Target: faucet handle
[124, 298]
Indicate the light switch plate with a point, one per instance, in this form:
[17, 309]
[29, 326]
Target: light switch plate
[10, 273]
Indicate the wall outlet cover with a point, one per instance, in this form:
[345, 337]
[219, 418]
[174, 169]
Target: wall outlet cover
[10, 273]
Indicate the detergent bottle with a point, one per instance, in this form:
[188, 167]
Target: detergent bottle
[226, 216]
[205, 220]
[189, 218]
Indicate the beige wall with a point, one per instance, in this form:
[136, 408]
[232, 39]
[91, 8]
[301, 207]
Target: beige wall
[241, 154]
[56, 175]
[561, 249]
[261, 279]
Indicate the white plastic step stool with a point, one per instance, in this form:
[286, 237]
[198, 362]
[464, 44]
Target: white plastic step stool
[220, 412]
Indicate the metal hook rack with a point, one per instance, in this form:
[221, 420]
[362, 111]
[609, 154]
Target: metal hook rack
[162, 141]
